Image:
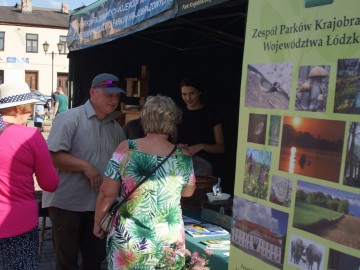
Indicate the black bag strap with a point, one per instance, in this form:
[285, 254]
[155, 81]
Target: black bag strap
[5, 127]
[119, 203]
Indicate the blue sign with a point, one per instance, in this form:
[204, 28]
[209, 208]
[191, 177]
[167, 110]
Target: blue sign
[19, 60]
[108, 20]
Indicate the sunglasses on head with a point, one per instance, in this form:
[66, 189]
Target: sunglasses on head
[109, 84]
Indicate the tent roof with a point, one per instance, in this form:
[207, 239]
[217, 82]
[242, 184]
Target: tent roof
[204, 29]
[217, 21]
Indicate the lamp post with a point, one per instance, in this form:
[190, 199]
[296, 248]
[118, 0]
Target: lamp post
[60, 49]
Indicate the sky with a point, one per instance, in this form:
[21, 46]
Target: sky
[272, 219]
[73, 4]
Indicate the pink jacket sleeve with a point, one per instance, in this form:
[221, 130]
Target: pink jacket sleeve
[45, 172]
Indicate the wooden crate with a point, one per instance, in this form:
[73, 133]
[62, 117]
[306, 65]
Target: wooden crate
[217, 217]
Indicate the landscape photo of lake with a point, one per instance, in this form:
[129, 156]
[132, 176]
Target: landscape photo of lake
[312, 147]
[329, 213]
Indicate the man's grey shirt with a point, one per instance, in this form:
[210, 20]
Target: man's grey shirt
[79, 133]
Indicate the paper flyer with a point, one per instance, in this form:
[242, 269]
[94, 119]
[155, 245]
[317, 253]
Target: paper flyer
[297, 188]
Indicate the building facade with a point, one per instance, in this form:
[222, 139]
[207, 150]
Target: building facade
[23, 31]
[258, 240]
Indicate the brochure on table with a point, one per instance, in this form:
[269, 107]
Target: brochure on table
[204, 230]
[297, 189]
[219, 243]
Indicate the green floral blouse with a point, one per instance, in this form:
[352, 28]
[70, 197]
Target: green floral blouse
[152, 217]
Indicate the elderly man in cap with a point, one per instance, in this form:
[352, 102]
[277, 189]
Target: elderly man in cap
[81, 143]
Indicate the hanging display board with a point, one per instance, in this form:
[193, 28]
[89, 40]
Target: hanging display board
[297, 191]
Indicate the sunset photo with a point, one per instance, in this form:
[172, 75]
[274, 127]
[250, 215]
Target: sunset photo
[312, 147]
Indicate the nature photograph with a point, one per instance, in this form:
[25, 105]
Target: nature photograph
[305, 254]
[347, 88]
[257, 128]
[312, 88]
[329, 213]
[352, 162]
[268, 85]
[259, 231]
[312, 147]
[339, 260]
[274, 130]
[281, 190]
[257, 168]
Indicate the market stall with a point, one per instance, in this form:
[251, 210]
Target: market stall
[206, 42]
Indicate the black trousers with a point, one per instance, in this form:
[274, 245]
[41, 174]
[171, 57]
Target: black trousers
[73, 232]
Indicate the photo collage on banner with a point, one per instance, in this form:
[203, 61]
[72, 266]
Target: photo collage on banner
[297, 188]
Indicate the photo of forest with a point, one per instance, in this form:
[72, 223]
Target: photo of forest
[274, 130]
[256, 178]
[352, 163]
[340, 260]
[329, 213]
[312, 147]
[347, 89]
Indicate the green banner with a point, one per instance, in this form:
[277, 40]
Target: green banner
[297, 189]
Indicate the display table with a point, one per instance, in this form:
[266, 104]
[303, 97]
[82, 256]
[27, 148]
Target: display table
[217, 260]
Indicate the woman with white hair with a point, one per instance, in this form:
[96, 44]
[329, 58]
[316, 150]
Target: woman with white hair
[150, 221]
[23, 153]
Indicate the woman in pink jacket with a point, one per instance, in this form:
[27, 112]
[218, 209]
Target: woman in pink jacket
[23, 152]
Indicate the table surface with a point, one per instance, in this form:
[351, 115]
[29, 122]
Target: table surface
[218, 260]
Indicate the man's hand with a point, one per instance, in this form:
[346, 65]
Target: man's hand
[94, 177]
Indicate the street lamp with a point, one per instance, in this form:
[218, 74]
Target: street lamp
[60, 49]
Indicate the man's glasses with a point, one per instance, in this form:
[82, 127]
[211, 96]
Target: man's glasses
[109, 84]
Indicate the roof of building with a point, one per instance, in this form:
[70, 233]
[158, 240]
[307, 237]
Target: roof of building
[39, 17]
[258, 230]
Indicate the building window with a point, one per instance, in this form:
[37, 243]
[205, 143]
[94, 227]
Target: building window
[63, 40]
[32, 43]
[2, 43]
